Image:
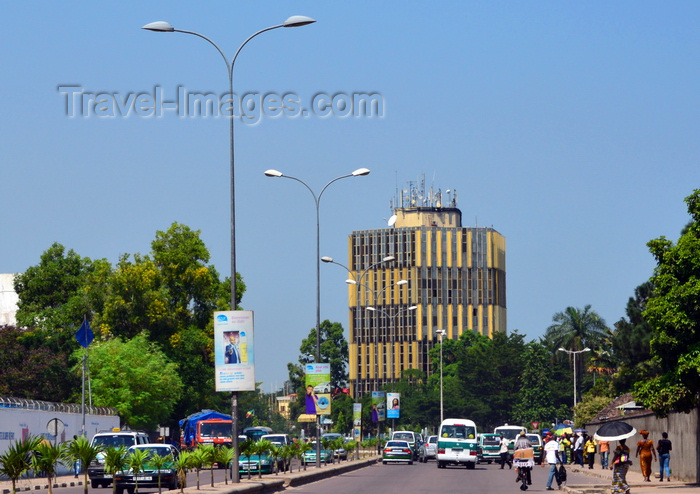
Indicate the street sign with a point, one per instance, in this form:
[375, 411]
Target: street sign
[535, 425]
[55, 427]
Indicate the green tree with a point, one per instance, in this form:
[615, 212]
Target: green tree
[182, 465]
[535, 401]
[80, 450]
[261, 448]
[136, 462]
[136, 378]
[631, 342]
[51, 293]
[160, 463]
[197, 460]
[115, 462]
[246, 448]
[17, 459]
[209, 456]
[575, 329]
[334, 350]
[673, 312]
[34, 369]
[46, 458]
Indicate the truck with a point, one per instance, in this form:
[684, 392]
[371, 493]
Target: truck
[205, 427]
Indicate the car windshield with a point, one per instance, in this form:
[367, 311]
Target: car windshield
[215, 429]
[432, 439]
[152, 450]
[491, 441]
[458, 431]
[113, 441]
[404, 436]
[397, 444]
[534, 438]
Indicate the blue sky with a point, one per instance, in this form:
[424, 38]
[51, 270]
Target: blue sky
[569, 127]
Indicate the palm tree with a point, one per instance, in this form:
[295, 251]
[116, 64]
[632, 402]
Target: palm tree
[246, 448]
[115, 461]
[261, 448]
[287, 452]
[46, 457]
[159, 463]
[224, 456]
[17, 459]
[182, 465]
[350, 446]
[209, 457]
[136, 461]
[576, 329]
[275, 452]
[80, 450]
[197, 461]
[303, 448]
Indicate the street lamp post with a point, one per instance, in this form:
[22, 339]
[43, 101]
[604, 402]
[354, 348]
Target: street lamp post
[317, 201]
[166, 27]
[441, 333]
[574, 353]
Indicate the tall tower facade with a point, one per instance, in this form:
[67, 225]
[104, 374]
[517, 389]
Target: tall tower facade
[425, 272]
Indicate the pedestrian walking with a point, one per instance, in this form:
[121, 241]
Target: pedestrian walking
[589, 447]
[505, 454]
[604, 448]
[551, 452]
[578, 449]
[620, 466]
[664, 449]
[645, 451]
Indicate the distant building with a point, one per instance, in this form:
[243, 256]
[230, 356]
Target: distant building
[283, 403]
[442, 276]
[8, 300]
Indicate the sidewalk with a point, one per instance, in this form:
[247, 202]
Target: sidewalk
[634, 480]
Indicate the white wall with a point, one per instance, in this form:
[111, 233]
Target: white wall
[8, 300]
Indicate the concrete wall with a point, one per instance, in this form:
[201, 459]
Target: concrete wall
[683, 431]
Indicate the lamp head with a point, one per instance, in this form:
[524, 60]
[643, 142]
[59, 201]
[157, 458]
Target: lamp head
[327, 259]
[159, 26]
[388, 259]
[351, 282]
[414, 307]
[298, 21]
[586, 349]
[273, 173]
[372, 309]
[360, 172]
[561, 349]
[402, 282]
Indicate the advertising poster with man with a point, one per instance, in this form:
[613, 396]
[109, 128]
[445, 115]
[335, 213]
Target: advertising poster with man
[234, 354]
[393, 405]
[318, 389]
[378, 406]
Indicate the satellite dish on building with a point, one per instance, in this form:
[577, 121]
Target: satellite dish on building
[392, 220]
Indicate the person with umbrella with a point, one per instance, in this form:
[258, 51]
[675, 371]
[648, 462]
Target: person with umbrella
[618, 431]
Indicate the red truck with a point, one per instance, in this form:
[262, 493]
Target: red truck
[205, 427]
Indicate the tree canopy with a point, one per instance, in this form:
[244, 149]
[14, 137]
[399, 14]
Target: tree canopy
[673, 312]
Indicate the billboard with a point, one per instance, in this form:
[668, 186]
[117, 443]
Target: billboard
[357, 422]
[393, 405]
[234, 352]
[318, 389]
[378, 406]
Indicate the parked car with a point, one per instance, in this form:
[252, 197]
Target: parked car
[397, 451]
[410, 437]
[339, 453]
[149, 477]
[537, 445]
[428, 449]
[310, 455]
[489, 448]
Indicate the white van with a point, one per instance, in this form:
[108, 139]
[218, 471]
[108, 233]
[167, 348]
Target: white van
[457, 443]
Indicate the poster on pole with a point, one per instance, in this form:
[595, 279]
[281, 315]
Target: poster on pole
[393, 405]
[234, 353]
[318, 389]
[378, 406]
[357, 422]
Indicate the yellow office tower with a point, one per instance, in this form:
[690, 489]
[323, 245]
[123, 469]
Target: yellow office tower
[422, 273]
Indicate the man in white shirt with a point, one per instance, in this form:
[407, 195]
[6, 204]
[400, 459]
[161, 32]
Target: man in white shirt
[551, 454]
[505, 454]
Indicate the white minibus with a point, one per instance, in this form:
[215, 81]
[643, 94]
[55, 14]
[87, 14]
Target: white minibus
[457, 444]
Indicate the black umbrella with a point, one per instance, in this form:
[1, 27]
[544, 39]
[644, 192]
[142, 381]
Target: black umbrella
[614, 431]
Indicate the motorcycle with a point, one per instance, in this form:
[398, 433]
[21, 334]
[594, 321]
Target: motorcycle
[523, 461]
